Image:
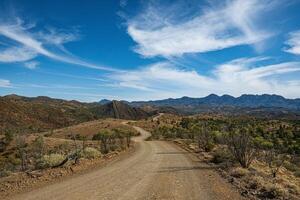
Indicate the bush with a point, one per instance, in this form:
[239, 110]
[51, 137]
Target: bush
[272, 191]
[51, 160]
[254, 182]
[4, 173]
[241, 145]
[221, 155]
[90, 153]
[239, 172]
[297, 173]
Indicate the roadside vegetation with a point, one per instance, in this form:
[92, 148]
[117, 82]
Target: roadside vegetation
[21, 152]
[261, 157]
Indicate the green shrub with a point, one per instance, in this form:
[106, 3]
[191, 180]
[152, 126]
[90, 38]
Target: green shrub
[51, 160]
[90, 153]
[221, 155]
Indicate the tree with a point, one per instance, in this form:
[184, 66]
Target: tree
[241, 145]
[275, 160]
[21, 149]
[103, 136]
[204, 136]
[128, 135]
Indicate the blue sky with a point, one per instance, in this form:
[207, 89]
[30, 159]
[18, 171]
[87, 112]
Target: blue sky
[142, 50]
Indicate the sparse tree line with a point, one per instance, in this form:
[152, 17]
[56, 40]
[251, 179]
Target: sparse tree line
[17, 153]
[242, 141]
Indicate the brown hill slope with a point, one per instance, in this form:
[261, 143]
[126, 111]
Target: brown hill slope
[44, 113]
[120, 110]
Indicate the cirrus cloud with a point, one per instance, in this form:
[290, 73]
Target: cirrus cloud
[293, 43]
[158, 32]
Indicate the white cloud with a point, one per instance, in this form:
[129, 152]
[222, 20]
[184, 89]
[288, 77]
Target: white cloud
[31, 64]
[5, 83]
[293, 43]
[37, 42]
[163, 80]
[158, 31]
[16, 54]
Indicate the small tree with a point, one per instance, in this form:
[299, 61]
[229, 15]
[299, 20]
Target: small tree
[21, 149]
[103, 137]
[119, 134]
[128, 135]
[275, 160]
[241, 145]
[38, 150]
[204, 137]
[273, 154]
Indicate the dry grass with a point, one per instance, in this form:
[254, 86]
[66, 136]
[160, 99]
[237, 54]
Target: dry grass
[89, 129]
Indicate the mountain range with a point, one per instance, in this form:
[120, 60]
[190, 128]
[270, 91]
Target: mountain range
[244, 101]
[35, 114]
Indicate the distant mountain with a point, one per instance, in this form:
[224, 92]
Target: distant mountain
[104, 101]
[120, 110]
[35, 114]
[244, 101]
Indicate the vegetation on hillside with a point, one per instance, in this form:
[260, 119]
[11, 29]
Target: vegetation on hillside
[263, 155]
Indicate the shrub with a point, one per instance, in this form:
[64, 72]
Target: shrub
[221, 155]
[103, 136]
[90, 153]
[297, 173]
[4, 173]
[254, 182]
[239, 172]
[272, 191]
[51, 160]
[205, 137]
[241, 145]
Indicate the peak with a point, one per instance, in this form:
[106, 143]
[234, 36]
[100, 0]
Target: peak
[212, 96]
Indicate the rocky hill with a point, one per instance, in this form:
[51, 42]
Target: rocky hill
[43, 113]
[119, 110]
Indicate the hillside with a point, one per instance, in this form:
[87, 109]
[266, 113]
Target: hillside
[44, 113]
[119, 110]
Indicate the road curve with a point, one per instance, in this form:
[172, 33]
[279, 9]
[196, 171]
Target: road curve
[157, 170]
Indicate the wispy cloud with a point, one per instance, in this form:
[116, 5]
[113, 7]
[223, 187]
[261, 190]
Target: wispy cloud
[293, 43]
[31, 44]
[245, 75]
[31, 64]
[158, 31]
[17, 54]
[5, 83]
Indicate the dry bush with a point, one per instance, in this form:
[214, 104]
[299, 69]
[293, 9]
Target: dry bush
[221, 155]
[240, 143]
[254, 182]
[51, 160]
[239, 172]
[90, 153]
[272, 191]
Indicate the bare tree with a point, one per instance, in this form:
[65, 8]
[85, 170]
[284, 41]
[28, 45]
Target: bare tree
[241, 145]
[275, 160]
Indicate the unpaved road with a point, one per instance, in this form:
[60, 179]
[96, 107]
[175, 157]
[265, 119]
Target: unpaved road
[157, 170]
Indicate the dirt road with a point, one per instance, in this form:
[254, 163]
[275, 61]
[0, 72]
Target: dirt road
[157, 170]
